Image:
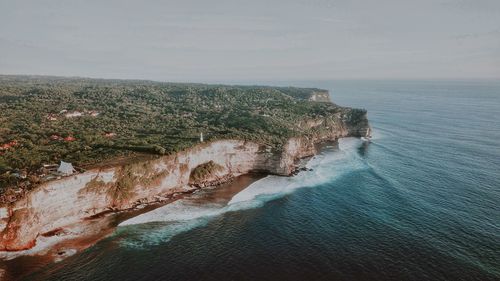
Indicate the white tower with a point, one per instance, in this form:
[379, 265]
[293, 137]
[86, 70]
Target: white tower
[201, 137]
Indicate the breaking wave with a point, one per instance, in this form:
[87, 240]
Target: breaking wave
[161, 224]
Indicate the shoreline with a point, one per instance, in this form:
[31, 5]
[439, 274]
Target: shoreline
[47, 242]
[57, 246]
[62, 240]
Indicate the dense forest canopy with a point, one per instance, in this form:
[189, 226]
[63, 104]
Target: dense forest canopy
[87, 121]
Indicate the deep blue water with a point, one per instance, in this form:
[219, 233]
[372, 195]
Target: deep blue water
[421, 202]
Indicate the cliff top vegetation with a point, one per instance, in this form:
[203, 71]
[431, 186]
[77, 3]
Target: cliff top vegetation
[86, 121]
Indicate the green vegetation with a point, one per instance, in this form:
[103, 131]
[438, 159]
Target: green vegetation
[95, 185]
[131, 118]
[125, 183]
[204, 171]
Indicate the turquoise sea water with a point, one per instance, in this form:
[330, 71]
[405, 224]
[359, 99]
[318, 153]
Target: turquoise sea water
[421, 202]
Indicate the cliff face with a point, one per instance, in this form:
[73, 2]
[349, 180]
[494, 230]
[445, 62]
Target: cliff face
[67, 201]
[320, 96]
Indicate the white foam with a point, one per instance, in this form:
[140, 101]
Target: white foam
[183, 215]
[179, 210]
[43, 245]
[326, 166]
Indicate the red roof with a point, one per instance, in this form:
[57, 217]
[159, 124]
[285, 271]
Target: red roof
[69, 138]
[9, 145]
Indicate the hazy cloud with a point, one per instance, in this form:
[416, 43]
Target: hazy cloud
[199, 40]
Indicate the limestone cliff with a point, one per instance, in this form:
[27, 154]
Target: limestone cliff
[320, 96]
[69, 200]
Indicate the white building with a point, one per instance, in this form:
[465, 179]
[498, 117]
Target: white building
[66, 169]
[73, 114]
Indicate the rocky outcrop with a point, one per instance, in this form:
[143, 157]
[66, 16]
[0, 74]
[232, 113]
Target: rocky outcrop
[320, 96]
[67, 201]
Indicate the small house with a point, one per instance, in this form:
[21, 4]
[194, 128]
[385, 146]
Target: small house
[66, 169]
[51, 117]
[55, 137]
[8, 145]
[73, 114]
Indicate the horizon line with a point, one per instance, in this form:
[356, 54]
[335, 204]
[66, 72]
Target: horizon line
[221, 81]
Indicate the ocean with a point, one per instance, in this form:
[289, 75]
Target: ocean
[420, 202]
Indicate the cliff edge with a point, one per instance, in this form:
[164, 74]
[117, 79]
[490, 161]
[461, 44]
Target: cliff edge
[54, 205]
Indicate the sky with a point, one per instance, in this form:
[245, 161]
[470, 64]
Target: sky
[225, 40]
